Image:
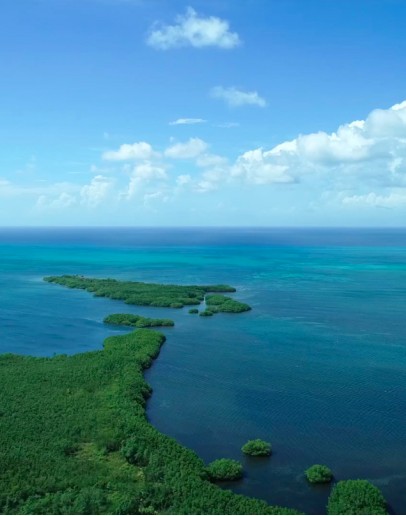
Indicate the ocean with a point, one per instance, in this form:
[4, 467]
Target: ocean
[318, 367]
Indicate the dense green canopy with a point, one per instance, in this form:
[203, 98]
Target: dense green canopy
[138, 293]
[356, 497]
[319, 474]
[74, 439]
[136, 321]
[257, 448]
[224, 469]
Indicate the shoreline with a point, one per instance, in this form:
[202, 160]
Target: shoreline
[106, 386]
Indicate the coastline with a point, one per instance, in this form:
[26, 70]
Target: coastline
[143, 470]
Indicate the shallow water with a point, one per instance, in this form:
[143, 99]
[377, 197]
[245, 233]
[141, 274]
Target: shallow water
[317, 367]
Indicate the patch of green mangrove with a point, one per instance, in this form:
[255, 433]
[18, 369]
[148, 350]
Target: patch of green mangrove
[207, 313]
[74, 439]
[136, 321]
[219, 303]
[193, 311]
[138, 293]
[257, 448]
[319, 474]
[224, 469]
[356, 497]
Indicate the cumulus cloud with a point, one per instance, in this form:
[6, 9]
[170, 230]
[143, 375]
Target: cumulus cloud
[372, 150]
[188, 121]
[193, 30]
[257, 167]
[187, 150]
[64, 200]
[235, 97]
[210, 180]
[143, 174]
[96, 191]
[128, 152]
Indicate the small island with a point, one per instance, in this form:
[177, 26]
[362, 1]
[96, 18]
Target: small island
[206, 313]
[219, 303]
[257, 448]
[136, 321]
[356, 497]
[319, 474]
[156, 294]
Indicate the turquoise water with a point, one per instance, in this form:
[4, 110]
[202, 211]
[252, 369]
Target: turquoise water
[317, 367]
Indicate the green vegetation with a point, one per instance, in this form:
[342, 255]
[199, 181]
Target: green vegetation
[136, 321]
[137, 293]
[206, 313]
[356, 497]
[224, 469]
[319, 474]
[257, 448]
[193, 311]
[74, 439]
[154, 294]
[219, 303]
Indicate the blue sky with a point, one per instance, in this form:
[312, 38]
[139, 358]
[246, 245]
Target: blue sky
[150, 112]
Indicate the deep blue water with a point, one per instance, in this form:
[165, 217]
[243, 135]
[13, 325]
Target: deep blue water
[317, 367]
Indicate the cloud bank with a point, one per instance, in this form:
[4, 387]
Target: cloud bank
[360, 166]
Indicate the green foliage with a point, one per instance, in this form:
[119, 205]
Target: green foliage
[74, 439]
[154, 294]
[138, 293]
[220, 303]
[319, 474]
[356, 497]
[136, 320]
[193, 311]
[224, 469]
[206, 313]
[257, 448]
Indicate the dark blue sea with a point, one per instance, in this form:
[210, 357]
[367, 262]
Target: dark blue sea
[318, 367]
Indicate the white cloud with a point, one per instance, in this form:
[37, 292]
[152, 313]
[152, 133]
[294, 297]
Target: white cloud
[127, 152]
[188, 121]
[193, 30]
[96, 191]
[256, 167]
[153, 197]
[235, 98]
[64, 200]
[365, 151]
[210, 180]
[205, 186]
[391, 200]
[188, 150]
[148, 171]
[144, 174]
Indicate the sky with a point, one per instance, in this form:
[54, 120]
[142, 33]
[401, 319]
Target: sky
[203, 113]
